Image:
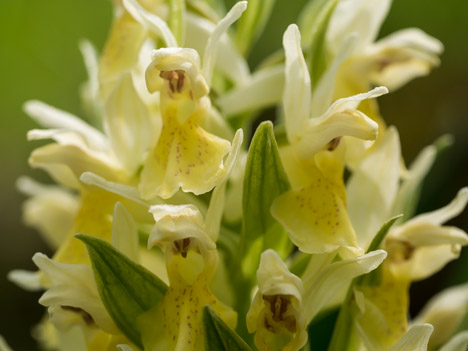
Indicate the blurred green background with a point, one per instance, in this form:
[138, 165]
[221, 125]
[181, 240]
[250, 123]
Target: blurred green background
[39, 59]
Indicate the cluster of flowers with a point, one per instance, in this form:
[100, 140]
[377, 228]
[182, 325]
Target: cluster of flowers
[172, 234]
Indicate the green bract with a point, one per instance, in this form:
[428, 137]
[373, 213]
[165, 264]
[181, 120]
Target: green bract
[218, 336]
[127, 289]
[264, 181]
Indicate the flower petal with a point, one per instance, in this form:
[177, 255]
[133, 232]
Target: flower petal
[264, 89]
[364, 17]
[50, 117]
[222, 26]
[77, 160]
[445, 213]
[227, 58]
[120, 53]
[407, 193]
[176, 223]
[172, 59]
[124, 232]
[50, 209]
[150, 21]
[128, 124]
[216, 208]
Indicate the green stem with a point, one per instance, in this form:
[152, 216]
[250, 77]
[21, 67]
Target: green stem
[342, 331]
[176, 19]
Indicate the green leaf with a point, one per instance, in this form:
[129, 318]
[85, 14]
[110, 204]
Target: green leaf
[127, 289]
[382, 233]
[265, 179]
[373, 278]
[176, 19]
[218, 336]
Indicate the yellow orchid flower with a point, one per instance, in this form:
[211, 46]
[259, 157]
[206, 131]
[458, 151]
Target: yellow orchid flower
[314, 212]
[186, 155]
[191, 260]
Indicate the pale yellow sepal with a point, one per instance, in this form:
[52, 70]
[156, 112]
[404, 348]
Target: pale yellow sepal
[150, 21]
[120, 52]
[78, 148]
[227, 59]
[373, 187]
[363, 17]
[50, 209]
[128, 123]
[275, 314]
[264, 89]
[210, 50]
[124, 233]
[50, 117]
[297, 86]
